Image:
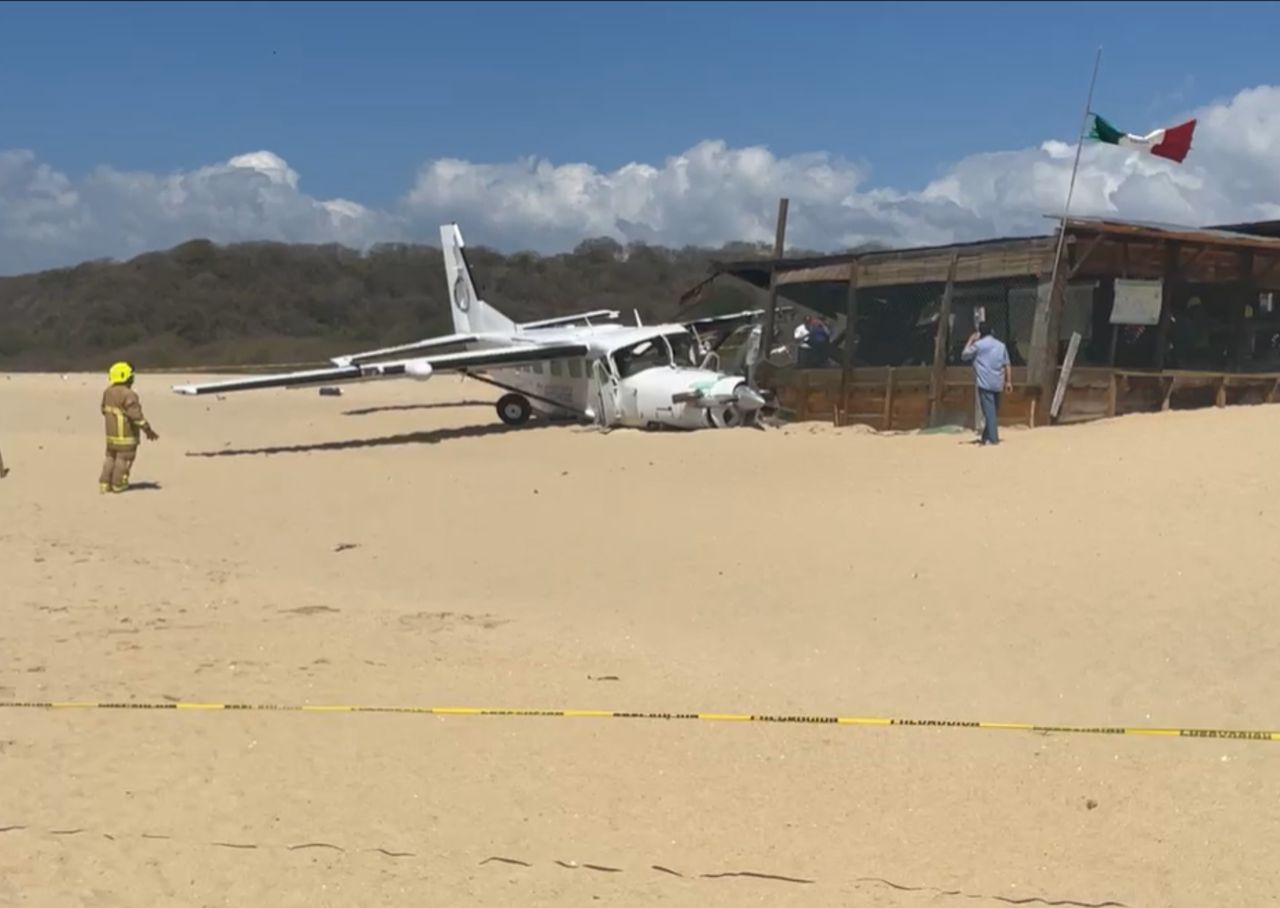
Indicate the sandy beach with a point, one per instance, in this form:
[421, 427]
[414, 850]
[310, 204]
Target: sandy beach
[399, 546]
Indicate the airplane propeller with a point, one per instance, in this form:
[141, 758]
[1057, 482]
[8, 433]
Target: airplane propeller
[748, 399]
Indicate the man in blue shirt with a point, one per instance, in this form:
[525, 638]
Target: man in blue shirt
[990, 358]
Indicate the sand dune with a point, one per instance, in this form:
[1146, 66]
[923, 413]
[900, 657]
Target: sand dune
[399, 546]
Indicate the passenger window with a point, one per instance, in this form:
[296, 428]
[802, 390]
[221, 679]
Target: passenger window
[557, 368]
[575, 368]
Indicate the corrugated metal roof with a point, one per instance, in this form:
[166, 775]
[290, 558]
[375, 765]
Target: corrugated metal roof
[758, 270]
[1256, 228]
[1260, 238]
[1172, 231]
[813, 261]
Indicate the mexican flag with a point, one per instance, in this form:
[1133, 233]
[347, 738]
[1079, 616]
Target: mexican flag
[1172, 143]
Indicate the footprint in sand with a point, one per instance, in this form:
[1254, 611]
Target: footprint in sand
[309, 610]
[434, 622]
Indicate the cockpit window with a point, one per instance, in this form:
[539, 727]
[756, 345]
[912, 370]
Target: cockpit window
[683, 349]
[672, 349]
[647, 354]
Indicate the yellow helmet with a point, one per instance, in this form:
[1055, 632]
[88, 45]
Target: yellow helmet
[120, 373]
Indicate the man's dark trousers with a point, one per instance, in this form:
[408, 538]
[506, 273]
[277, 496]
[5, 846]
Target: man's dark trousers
[990, 401]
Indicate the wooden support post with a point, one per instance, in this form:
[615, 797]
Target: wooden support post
[779, 244]
[888, 401]
[1168, 391]
[940, 343]
[1105, 301]
[1247, 296]
[1115, 329]
[1111, 395]
[1236, 358]
[850, 335]
[1171, 259]
[1221, 400]
[1039, 352]
[1266, 272]
[1042, 359]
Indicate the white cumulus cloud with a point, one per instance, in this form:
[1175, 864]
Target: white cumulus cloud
[46, 219]
[708, 194]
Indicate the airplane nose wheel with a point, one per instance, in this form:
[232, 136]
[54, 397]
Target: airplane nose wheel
[514, 409]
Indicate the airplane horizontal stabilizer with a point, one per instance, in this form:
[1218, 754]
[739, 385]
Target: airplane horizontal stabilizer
[559, 321]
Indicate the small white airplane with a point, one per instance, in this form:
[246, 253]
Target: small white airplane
[587, 367]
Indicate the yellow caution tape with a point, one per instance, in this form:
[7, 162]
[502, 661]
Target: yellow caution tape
[1225, 733]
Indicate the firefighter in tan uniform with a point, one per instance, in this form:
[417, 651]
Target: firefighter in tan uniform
[124, 420]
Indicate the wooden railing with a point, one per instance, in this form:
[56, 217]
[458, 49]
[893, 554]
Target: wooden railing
[907, 397]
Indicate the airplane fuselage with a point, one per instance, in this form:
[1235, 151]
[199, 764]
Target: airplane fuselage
[637, 377]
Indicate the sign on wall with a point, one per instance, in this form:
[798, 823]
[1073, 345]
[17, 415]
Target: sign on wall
[1137, 302]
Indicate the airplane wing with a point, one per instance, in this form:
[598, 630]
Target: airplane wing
[420, 368]
[445, 340]
[719, 321]
[723, 326]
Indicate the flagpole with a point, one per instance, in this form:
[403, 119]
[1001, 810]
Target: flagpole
[1071, 186]
[1047, 360]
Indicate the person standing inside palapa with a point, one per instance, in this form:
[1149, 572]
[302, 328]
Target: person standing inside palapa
[124, 422]
[990, 358]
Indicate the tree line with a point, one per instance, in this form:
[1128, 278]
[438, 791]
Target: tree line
[201, 303]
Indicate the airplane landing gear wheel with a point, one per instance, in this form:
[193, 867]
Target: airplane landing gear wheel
[514, 409]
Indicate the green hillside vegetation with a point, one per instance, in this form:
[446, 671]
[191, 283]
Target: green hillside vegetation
[201, 304]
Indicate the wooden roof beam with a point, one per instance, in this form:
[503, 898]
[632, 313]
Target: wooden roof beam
[1084, 256]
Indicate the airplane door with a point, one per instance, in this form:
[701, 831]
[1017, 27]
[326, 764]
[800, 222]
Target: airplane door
[608, 392]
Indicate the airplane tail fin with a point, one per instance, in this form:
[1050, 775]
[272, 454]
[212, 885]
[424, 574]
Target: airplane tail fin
[471, 315]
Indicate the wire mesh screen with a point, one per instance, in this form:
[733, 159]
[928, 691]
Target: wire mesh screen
[897, 326]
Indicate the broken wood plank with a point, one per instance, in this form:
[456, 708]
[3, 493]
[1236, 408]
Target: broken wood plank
[1065, 375]
[779, 245]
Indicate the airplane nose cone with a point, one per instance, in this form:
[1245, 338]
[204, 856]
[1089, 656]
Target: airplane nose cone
[748, 398]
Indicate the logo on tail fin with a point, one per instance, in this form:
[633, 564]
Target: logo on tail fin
[461, 292]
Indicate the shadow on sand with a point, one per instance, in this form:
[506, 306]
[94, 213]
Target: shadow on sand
[435, 436]
[141, 487]
[400, 408]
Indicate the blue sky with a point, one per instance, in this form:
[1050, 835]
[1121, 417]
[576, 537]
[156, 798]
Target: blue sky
[357, 97]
